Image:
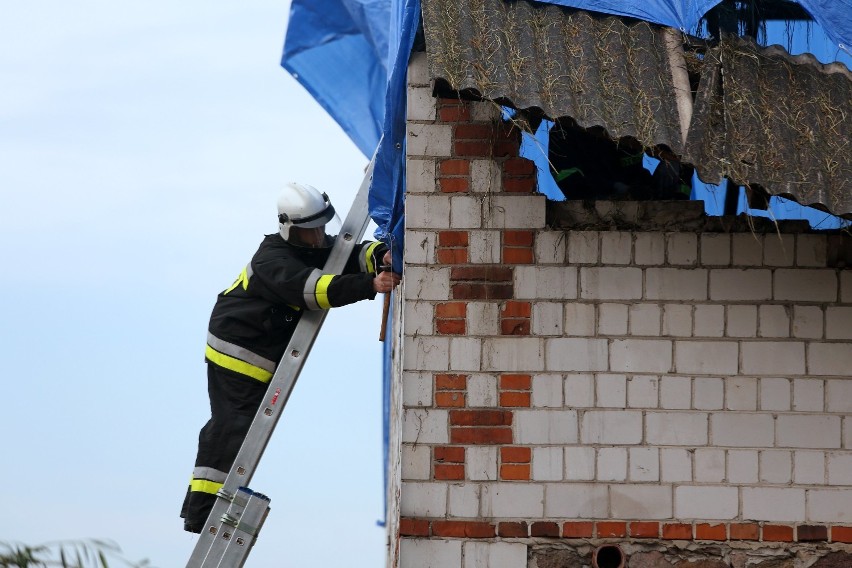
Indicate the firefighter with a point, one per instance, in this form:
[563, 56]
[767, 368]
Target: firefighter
[254, 318]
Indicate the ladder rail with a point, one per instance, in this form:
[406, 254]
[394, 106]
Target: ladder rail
[207, 550]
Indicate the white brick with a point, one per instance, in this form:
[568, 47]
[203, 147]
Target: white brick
[611, 427]
[423, 499]
[513, 354]
[838, 322]
[830, 506]
[425, 426]
[551, 247]
[808, 431]
[676, 465]
[547, 391]
[641, 501]
[583, 247]
[650, 249]
[426, 283]
[427, 211]
[465, 212]
[676, 284]
[709, 321]
[575, 501]
[429, 139]
[545, 426]
[579, 391]
[514, 212]
[741, 321]
[709, 465]
[419, 177]
[840, 469]
[570, 354]
[426, 353]
[484, 247]
[611, 391]
[805, 285]
[645, 319]
[838, 395]
[418, 318]
[706, 502]
[742, 430]
[463, 500]
[779, 250]
[420, 247]
[677, 320]
[485, 176]
[675, 392]
[830, 358]
[643, 391]
[547, 464]
[807, 322]
[847, 432]
[706, 357]
[545, 282]
[579, 463]
[846, 287]
[421, 104]
[808, 468]
[741, 393]
[417, 389]
[676, 428]
[740, 284]
[644, 465]
[808, 395]
[482, 391]
[494, 554]
[579, 319]
[770, 504]
[776, 466]
[512, 500]
[708, 393]
[682, 248]
[483, 318]
[418, 69]
[641, 356]
[422, 553]
[465, 353]
[747, 249]
[416, 462]
[610, 283]
[811, 250]
[612, 319]
[485, 111]
[774, 394]
[774, 321]
[616, 247]
[612, 464]
[481, 463]
[742, 466]
[773, 358]
[715, 249]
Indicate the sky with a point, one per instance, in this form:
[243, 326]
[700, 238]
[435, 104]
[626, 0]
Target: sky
[142, 149]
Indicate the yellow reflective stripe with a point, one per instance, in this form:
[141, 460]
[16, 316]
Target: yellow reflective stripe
[204, 486]
[243, 279]
[368, 257]
[321, 292]
[237, 366]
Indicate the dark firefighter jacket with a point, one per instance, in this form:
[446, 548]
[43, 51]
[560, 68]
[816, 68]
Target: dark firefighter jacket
[254, 318]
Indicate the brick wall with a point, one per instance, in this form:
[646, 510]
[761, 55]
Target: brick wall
[570, 387]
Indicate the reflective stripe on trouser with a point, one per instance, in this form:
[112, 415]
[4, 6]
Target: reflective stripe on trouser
[234, 400]
[239, 359]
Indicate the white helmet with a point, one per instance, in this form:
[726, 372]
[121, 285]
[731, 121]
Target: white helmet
[304, 207]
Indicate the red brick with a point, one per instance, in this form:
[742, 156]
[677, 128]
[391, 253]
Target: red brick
[519, 185]
[450, 326]
[516, 309]
[463, 529]
[481, 435]
[480, 418]
[777, 533]
[451, 256]
[516, 255]
[515, 472]
[841, 534]
[516, 530]
[744, 531]
[515, 454]
[677, 531]
[811, 533]
[518, 238]
[477, 148]
[544, 529]
[479, 273]
[454, 167]
[519, 166]
[645, 530]
[505, 148]
[515, 382]
[454, 185]
[514, 327]
[452, 238]
[452, 454]
[706, 531]
[451, 310]
[515, 399]
[473, 131]
[445, 471]
[449, 399]
[413, 527]
[450, 382]
[612, 529]
[578, 529]
[454, 114]
[482, 291]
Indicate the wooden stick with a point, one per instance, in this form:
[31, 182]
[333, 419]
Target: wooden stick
[385, 309]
